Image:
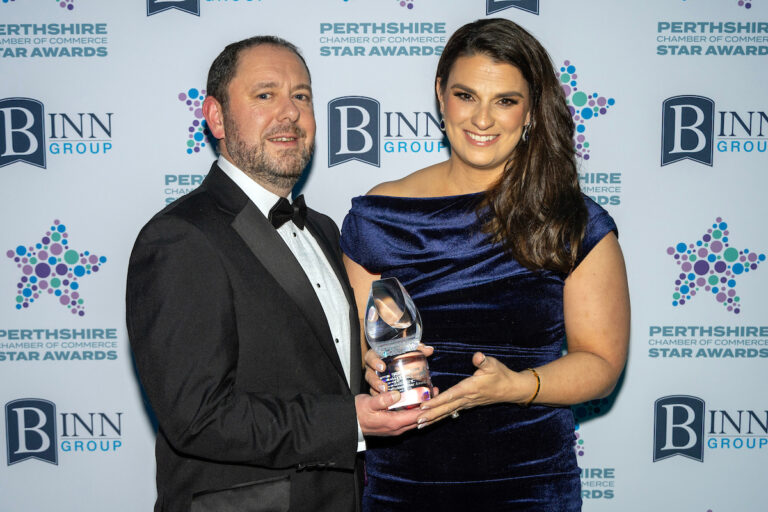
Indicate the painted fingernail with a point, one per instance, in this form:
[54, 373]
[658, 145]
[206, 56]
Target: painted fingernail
[421, 426]
[382, 388]
[421, 420]
[381, 367]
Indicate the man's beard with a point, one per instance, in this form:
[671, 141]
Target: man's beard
[281, 171]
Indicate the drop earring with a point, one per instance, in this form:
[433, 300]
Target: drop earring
[526, 130]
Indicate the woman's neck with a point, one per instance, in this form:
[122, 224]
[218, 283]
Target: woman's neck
[462, 179]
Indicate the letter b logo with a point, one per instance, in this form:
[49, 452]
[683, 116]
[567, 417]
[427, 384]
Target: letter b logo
[678, 427]
[22, 131]
[353, 130]
[492, 6]
[30, 426]
[687, 129]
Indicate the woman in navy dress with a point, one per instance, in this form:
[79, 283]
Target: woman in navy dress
[507, 263]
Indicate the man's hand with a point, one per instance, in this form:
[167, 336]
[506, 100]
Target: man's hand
[376, 420]
[374, 363]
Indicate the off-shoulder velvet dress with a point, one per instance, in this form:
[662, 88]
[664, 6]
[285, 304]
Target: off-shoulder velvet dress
[472, 296]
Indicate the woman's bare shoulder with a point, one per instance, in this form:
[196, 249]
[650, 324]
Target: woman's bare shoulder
[421, 183]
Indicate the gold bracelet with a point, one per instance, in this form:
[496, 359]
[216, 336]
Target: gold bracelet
[538, 387]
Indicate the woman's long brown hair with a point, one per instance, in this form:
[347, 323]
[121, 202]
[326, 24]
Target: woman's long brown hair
[537, 210]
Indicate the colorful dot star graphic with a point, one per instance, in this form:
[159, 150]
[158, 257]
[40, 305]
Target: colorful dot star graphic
[199, 134]
[712, 265]
[583, 412]
[51, 267]
[66, 4]
[583, 106]
[408, 4]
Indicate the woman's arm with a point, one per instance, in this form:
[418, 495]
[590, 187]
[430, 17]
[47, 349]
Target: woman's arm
[596, 312]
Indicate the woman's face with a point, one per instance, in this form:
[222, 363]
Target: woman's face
[485, 105]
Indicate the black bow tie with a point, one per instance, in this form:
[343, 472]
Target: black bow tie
[283, 211]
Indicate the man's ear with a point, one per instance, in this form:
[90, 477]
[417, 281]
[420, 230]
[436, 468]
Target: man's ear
[214, 116]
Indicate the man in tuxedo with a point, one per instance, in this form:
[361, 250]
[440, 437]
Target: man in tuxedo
[241, 318]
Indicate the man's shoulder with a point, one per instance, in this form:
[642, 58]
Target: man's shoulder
[323, 222]
[195, 212]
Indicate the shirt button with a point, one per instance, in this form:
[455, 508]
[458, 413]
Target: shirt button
[318, 285]
[294, 233]
[337, 340]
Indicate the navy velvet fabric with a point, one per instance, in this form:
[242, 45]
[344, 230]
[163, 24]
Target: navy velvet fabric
[472, 297]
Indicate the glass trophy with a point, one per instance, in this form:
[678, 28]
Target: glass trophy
[393, 330]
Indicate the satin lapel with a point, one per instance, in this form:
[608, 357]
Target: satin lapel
[280, 262]
[355, 368]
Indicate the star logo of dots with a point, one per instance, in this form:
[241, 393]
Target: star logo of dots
[713, 266]
[583, 106]
[583, 412]
[51, 267]
[66, 4]
[199, 135]
[407, 4]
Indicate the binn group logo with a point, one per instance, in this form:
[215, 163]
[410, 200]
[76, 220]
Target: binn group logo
[358, 130]
[682, 425]
[50, 267]
[24, 129]
[584, 106]
[494, 6]
[35, 431]
[692, 128]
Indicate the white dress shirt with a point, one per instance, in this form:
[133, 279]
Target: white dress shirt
[314, 263]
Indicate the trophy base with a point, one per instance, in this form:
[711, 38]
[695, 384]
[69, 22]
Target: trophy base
[409, 374]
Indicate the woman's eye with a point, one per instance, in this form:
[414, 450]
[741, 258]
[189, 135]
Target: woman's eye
[463, 96]
[508, 102]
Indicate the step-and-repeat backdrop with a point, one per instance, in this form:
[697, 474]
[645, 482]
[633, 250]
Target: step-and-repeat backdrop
[100, 126]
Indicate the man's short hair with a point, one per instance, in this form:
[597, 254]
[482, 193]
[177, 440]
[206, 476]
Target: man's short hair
[224, 66]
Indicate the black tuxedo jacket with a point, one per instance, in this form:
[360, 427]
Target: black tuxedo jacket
[236, 357]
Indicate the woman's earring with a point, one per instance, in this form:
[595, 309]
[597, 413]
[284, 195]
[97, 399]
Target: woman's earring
[526, 129]
[442, 123]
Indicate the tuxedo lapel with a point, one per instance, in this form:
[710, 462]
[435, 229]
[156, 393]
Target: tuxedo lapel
[280, 262]
[270, 249]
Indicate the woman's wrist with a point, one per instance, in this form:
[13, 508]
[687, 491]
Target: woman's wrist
[535, 387]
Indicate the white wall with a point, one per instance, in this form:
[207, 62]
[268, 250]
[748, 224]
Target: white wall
[131, 73]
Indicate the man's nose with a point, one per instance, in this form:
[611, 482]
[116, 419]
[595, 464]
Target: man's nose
[289, 111]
